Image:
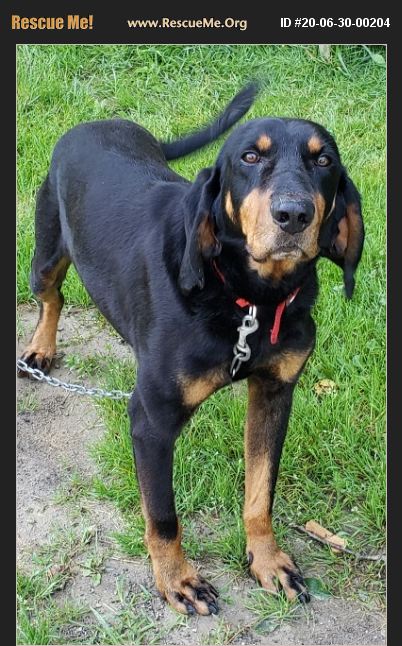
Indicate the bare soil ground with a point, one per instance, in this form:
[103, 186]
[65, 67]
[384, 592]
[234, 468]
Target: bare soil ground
[55, 432]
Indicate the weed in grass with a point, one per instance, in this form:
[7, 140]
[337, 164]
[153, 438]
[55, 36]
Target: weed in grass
[20, 328]
[128, 626]
[131, 540]
[28, 403]
[40, 619]
[271, 610]
[93, 567]
[87, 366]
[73, 491]
[57, 556]
[224, 633]
[34, 627]
[46, 623]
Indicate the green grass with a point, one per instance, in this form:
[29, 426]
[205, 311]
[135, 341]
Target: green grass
[333, 466]
[45, 618]
[41, 620]
[28, 403]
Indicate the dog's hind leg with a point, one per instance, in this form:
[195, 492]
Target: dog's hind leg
[49, 268]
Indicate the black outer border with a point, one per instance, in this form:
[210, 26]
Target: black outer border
[263, 28]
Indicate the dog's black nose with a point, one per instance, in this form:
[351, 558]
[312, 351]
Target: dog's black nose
[292, 216]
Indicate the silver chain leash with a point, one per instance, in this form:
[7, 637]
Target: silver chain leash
[242, 351]
[72, 388]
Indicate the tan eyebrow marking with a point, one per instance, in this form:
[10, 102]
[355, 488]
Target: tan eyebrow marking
[314, 144]
[264, 142]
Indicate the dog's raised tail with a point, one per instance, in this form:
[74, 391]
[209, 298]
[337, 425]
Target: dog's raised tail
[231, 114]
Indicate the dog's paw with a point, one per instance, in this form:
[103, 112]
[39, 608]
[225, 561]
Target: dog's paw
[269, 566]
[36, 359]
[188, 592]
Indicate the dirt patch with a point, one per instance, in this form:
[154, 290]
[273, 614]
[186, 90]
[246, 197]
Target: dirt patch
[55, 430]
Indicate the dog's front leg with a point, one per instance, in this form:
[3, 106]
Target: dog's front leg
[176, 579]
[267, 418]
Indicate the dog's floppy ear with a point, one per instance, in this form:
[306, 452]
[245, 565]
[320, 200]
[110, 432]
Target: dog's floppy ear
[200, 237]
[342, 234]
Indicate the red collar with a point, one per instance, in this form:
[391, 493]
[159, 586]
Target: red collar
[242, 302]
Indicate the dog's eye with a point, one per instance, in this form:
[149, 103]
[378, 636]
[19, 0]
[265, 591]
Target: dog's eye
[250, 157]
[323, 160]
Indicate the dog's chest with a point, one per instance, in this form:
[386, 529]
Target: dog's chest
[281, 363]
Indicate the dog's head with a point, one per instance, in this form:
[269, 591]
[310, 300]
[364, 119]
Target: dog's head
[279, 186]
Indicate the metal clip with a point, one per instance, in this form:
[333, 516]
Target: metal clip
[241, 350]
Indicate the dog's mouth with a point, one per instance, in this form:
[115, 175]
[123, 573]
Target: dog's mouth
[287, 252]
[280, 253]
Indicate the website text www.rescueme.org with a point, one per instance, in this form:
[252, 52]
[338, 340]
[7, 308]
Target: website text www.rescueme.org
[188, 23]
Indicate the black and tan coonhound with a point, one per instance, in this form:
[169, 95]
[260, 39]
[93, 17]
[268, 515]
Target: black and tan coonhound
[210, 282]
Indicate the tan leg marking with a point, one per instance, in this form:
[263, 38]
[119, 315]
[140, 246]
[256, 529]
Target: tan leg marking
[257, 520]
[42, 347]
[43, 342]
[266, 560]
[196, 389]
[176, 579]
[289, 364]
